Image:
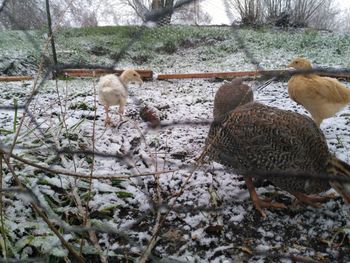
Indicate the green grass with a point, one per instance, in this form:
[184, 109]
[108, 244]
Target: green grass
[145, 45]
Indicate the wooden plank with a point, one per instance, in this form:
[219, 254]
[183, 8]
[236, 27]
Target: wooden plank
[15, 78]
[206, 75]
[231, 74]
[234, 74]
[341, 75]
[145, 74]
[148, 74]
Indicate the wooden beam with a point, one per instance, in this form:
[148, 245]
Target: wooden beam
[145, 74]
[229, 74]
[341, 75]
[206, 75]
[148, 74]
[233, 74]
[15, 78]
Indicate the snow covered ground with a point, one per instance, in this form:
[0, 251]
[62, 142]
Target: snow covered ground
[211, 216]
[211, 220]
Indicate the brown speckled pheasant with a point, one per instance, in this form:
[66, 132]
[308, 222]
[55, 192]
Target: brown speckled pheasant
[283, 146]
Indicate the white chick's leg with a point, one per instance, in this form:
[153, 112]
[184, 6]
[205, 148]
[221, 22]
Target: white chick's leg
[107, 119]
[121, 110]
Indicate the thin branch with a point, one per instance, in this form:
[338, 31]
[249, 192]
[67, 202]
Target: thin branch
[3, 5]
[80, 175]
[3, 234]
[44, 217]
[153, 241]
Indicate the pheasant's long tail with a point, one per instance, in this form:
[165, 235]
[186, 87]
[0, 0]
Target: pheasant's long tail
[340, 169]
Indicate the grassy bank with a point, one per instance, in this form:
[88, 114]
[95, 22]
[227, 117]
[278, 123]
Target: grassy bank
[164, 47]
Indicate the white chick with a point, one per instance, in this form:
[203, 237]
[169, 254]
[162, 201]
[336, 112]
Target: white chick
[112, 90]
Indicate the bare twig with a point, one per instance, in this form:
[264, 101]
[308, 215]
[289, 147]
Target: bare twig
[44, 217]
[152, 242]
[3, 234]
[76, 174]
[3, 5]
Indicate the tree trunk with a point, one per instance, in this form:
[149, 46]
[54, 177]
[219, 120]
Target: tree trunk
[166, 5]
[52, 40]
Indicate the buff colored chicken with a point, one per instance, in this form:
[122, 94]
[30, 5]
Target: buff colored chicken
[321, 96]
[112, 90]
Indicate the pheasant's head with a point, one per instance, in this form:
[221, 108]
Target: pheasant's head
[300, 64]
[230, 96]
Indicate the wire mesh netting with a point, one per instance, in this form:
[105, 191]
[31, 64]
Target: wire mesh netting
[74, 189]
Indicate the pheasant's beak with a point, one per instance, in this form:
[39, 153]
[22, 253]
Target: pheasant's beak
[343, 189]
[346, 197]
[346, 193]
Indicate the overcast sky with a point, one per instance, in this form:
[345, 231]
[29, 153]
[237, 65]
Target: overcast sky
[216, 9]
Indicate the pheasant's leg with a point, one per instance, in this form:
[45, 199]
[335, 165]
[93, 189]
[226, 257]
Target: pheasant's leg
[260, 203]
[107, 119]
[312, 200]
